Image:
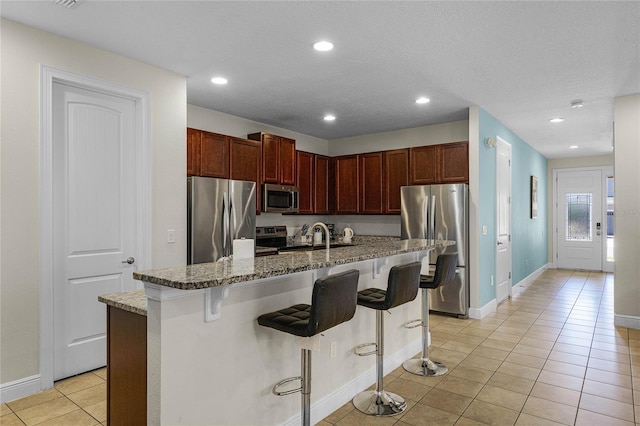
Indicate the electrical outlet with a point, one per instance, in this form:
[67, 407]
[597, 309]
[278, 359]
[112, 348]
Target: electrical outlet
[171, 236]
[334, 349]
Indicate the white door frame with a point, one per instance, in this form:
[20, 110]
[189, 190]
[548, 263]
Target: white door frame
[606, 172]
[48, 76]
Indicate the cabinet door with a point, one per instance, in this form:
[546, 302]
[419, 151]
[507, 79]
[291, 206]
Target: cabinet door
[347, 184]
[270, 158]
[214, 155]
[323, 184]
[422, 167]
[193, 152]
[396, 175]
[371, 190]
[305, 182]
[287, 161]
[453, 162]
[246, 164]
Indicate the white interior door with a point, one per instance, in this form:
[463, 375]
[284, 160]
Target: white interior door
[503, 249]
[579, 215]
[94, 226]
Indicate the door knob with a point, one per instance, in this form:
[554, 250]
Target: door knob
[129, 260]
[500, 243]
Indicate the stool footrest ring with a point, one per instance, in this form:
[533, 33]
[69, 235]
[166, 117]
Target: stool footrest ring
[357, 349]
[413, 323]
[277, 392]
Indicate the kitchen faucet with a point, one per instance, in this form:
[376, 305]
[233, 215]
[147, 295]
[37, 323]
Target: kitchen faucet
[326, 232]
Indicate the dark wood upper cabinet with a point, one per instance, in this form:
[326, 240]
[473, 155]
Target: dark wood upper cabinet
[214, 155]
[423, 169]
[287, 161]
[278, 157]
[396, 175]
[246, 164]
[347, 175]
[371, 188]
[323, 185]
[193, 152]
[453, 162]
[305, 182]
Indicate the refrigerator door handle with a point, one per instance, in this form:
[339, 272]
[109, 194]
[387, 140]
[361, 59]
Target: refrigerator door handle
[225, 224]
[432, 218]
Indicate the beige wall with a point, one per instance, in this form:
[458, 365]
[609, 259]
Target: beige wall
[454, 131]
[567, 163]
[219, 122]
[627, 217]
[24, 50]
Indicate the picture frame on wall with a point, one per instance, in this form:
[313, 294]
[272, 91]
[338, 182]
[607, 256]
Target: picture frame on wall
[534, 197]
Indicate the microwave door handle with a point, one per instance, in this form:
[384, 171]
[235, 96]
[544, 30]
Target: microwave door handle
[294, 199]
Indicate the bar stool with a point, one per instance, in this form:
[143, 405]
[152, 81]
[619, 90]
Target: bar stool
[333, 302]
[402, 287]
[445, 272]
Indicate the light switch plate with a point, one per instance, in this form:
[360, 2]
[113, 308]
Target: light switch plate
[484, 229]
[171, 236]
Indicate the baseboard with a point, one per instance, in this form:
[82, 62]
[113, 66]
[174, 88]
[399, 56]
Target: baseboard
[475, 313]
[529, 279]
[20, 388]
[336, 399]
[626, 321]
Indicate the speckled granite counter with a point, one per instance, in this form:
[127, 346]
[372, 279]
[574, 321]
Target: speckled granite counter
[131, 301]
[206, 275]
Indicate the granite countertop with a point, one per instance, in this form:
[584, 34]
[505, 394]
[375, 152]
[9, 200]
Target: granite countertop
[132, 301]
[205, 275]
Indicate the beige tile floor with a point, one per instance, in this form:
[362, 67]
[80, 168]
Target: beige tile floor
[550, 355]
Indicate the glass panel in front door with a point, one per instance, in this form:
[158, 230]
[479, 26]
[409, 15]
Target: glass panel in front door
[579, 217]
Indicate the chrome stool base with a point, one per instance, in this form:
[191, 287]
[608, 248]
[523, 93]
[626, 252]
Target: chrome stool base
[424, 367]
[382, 404]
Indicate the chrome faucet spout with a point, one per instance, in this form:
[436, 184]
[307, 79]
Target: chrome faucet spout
[326, 232]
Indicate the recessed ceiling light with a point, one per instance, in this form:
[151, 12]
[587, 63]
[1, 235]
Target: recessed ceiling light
[577, 103]
[219, 80]
[323, 46]
[329, 117]
[557, 120]
[573, 147]
[423, 100]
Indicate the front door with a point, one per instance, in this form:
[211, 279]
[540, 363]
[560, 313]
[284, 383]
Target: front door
[503, 238]
[94, 219]
[580, 227]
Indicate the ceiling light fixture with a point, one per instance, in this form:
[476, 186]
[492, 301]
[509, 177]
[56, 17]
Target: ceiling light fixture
[573, 147]
[219, 80]
[67, 3]
[423, 100]
[556, 120]
[577, 103]
[323, 46]
[329, 117]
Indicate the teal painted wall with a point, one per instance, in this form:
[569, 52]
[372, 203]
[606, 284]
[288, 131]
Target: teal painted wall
[528, 236]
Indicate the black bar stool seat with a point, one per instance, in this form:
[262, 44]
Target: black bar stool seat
[333, 302]
[445, 272]
[402, 287]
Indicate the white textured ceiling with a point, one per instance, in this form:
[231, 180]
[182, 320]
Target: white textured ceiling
[523, 62]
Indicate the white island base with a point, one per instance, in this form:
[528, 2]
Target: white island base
[221, 372]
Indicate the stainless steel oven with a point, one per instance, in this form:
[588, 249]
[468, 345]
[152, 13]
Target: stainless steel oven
[279, 198]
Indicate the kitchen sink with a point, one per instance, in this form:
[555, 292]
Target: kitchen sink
[308, 247]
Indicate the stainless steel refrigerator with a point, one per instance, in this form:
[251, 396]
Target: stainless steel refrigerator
[441, 212]
[218, 211]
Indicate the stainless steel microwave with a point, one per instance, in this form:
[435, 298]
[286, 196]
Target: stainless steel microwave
[279, 198]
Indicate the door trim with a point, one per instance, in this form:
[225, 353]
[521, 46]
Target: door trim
[49, 76]
[606, 171]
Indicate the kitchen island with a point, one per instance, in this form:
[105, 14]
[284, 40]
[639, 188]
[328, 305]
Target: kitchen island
[209, 362]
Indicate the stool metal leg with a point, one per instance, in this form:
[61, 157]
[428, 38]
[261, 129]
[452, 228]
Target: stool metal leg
[424, 366]
[379, 402]
[305, 368]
